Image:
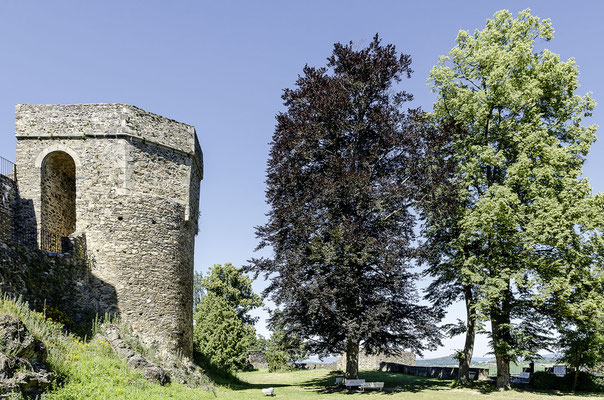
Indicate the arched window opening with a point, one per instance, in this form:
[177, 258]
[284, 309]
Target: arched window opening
[58, 214]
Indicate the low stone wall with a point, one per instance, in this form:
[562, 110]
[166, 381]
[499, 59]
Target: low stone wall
[434, 372]
[311, 365]
[257, 360]
[374, 361]
[60, 285]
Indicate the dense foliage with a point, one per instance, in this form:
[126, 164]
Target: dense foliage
[282, 349]
[219, 336]
[340, 179]
[224, 331]
[526, 229]
[230, 283]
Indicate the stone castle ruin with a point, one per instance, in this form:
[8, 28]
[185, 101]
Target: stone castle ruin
[119, 186]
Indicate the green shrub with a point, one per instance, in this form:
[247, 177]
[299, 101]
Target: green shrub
[546, 381]
[220, 336]
[586, 382]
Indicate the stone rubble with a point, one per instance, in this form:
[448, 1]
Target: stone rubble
[23, 367]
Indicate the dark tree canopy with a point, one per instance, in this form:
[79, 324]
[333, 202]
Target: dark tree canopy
[341, 177]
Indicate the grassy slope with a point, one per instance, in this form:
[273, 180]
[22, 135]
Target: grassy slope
[92, 371]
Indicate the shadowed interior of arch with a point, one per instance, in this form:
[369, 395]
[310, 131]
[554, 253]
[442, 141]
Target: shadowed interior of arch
[58, 214]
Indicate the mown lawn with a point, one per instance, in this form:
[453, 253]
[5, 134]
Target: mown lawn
[317, 384]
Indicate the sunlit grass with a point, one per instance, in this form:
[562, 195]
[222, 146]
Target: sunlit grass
[89, 369]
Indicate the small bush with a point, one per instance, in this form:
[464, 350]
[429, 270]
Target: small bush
[278, 360]
[542, 380]
[585, 383]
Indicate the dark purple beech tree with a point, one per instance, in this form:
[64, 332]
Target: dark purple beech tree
[341, 178]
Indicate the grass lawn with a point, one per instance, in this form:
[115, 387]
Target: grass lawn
[91, 370]
[315, 384]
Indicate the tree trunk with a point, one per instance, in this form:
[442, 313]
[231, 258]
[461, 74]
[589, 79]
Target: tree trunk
[503, 372]
[464, 363]
[352, 359]
[502, 339]
[576, 379]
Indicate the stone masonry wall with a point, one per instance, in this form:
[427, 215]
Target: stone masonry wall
[375, 361]
[137, 195]
[8, 198]
[61, 286]
[109, 120]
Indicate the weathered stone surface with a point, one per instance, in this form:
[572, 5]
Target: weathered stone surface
[62, 286]
[8, 204]
[156, 374]
[257, 359]
[163, 369]
[375, 361]
[137, 181]
[22, 360]
[151, 371]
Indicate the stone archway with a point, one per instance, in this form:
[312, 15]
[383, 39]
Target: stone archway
[58, 199]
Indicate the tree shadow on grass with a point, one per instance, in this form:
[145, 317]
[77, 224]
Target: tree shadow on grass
[393, 382]
[233, 382]
[226, 378]
[558, 393]
[486, 387]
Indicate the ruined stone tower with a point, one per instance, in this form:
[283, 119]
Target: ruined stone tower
[125, 183]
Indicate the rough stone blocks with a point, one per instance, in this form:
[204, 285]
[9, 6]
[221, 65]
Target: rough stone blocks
[128, 181]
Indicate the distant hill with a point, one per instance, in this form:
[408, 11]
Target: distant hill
[449, 361]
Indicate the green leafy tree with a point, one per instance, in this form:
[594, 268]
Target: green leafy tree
[219, 335]
[340, 179]
[224, 330]
[230, 283]
[261, 343]
[282, 350]
[580, 311]
[438, 202]
[518, 229]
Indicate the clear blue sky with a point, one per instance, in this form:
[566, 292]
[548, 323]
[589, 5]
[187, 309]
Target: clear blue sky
[221, 66]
